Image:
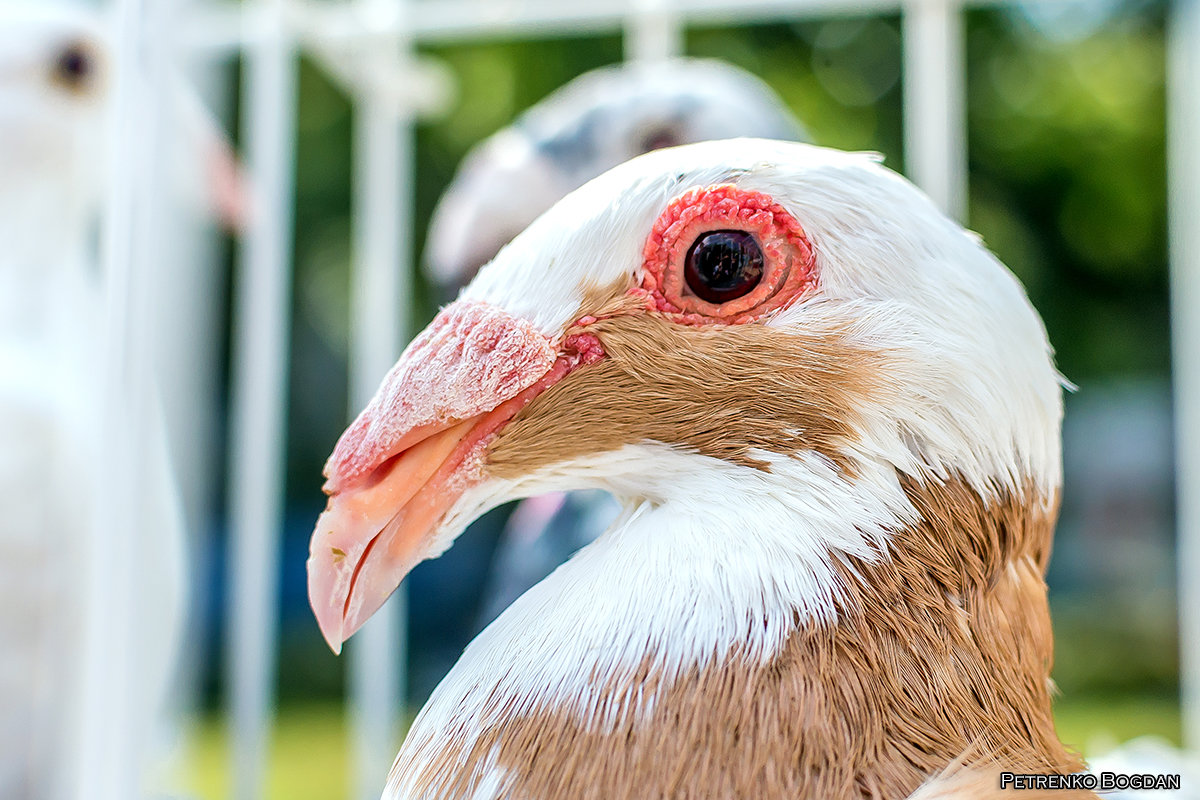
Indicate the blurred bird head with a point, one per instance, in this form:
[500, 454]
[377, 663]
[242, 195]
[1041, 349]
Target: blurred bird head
[56, 85]
[597, 121]
[54, 82]
[759, 339]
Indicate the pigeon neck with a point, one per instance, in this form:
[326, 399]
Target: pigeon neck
[942, 651]
[938, 651]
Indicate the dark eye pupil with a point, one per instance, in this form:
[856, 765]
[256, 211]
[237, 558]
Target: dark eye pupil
[74, 65]
[723, 265]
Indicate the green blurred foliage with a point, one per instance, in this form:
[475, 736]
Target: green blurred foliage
[1115, 646]
[1068, 182]
[840, 77]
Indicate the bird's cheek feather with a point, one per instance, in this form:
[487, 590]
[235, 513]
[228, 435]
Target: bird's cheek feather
[408, 457]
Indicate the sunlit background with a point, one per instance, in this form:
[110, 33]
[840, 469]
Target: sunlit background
[1066, 147]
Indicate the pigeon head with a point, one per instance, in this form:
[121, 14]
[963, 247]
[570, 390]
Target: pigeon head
[771, 342]
[54, 80]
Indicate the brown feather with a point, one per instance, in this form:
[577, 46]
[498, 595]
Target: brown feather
[721, 391]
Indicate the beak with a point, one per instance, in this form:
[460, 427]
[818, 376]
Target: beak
[418, 446]
[228, 186]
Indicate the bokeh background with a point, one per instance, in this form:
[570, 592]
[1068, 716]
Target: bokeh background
[1067, 176]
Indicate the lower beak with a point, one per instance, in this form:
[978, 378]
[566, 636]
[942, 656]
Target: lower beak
[368, 538]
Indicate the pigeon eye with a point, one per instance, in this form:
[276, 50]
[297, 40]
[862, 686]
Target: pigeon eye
[658, 139]
[723, 265]
[74, 66]
[725, 254]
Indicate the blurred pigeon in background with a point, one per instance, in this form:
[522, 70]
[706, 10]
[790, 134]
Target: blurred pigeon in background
[602, 118]
[55, 81]
[597, 121]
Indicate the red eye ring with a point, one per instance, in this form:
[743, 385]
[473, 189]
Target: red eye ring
[790, 266]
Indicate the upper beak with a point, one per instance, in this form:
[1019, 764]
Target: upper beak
[410, 455]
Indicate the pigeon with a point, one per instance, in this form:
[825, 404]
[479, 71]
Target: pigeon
[832, 420]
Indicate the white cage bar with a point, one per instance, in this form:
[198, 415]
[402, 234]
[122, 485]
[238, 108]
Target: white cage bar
[261, 327]
[109, 754]
[1183, 175]
[361, 41]
[380, 319]
[935, 121]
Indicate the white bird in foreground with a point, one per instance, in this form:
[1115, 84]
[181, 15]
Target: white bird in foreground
[55, 73]
[597, 121]
[832, 418]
